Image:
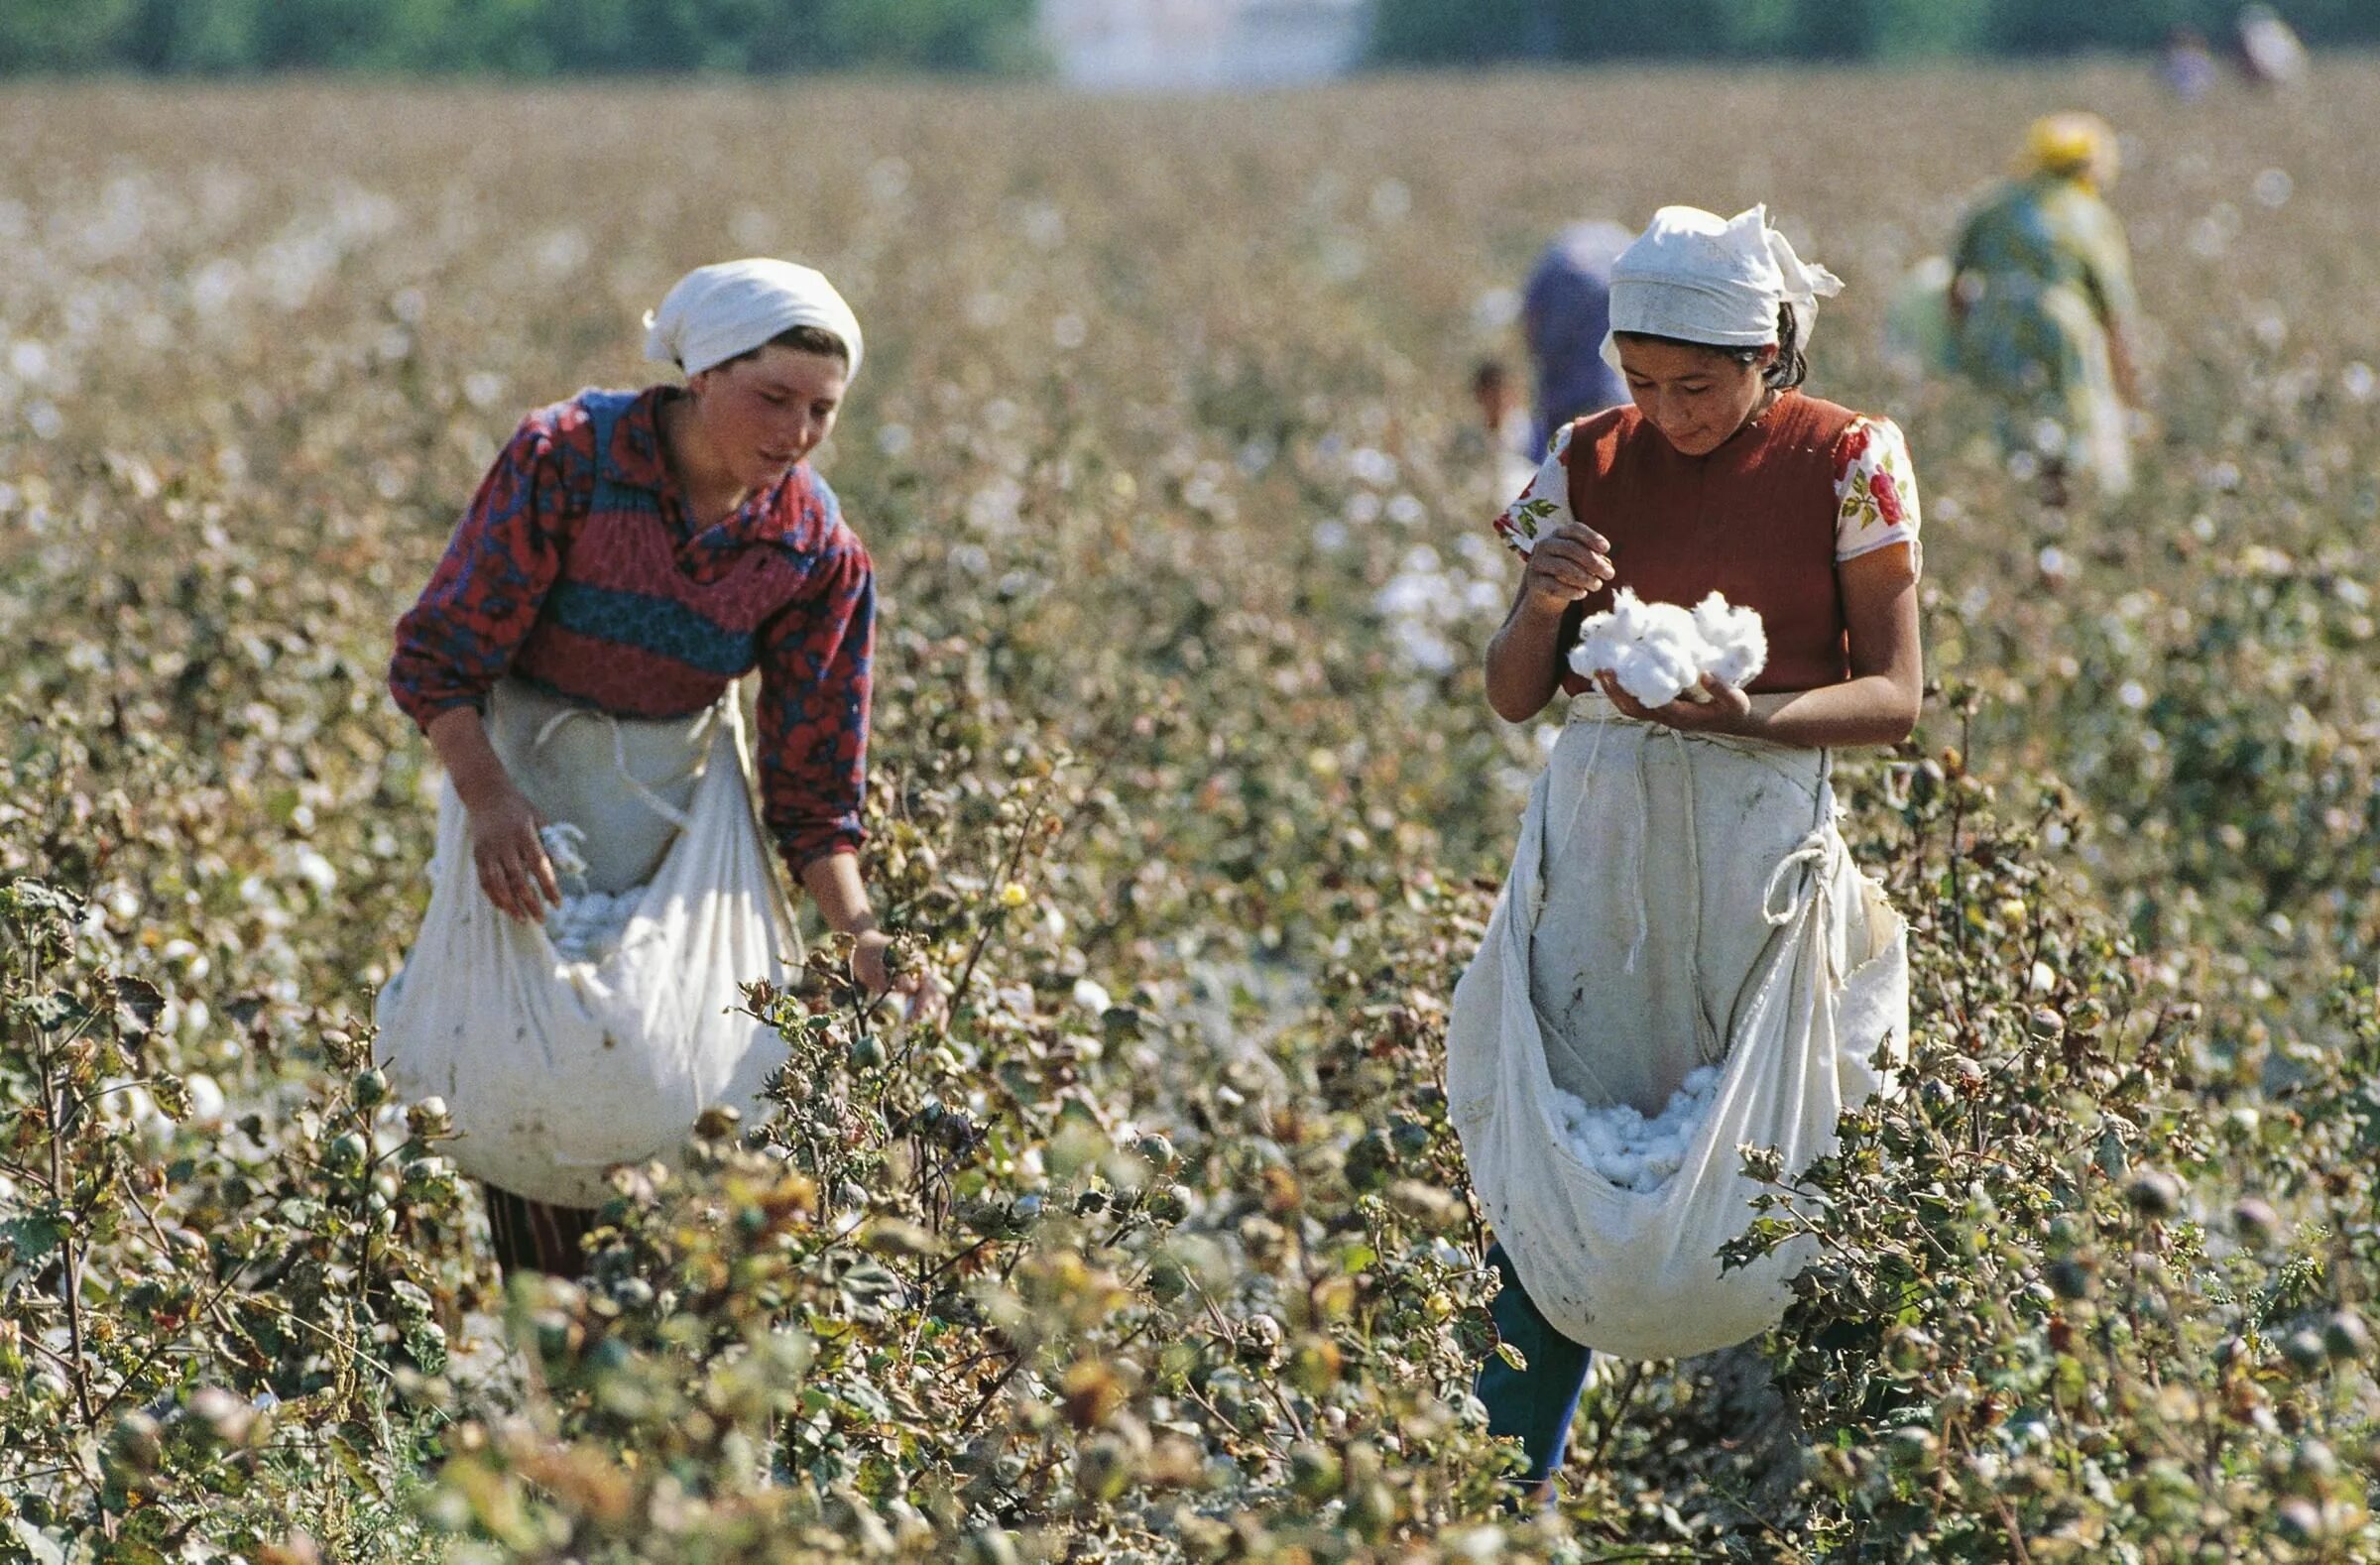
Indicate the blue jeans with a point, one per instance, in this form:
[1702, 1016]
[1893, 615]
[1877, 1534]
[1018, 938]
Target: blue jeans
[1536, 1403]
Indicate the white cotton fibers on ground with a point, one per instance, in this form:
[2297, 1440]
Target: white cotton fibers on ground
[1630, 1151]
[1660, 651]
[588, 925]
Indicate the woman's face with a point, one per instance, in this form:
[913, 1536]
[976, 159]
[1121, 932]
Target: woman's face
[1696, 397]
[766, 413]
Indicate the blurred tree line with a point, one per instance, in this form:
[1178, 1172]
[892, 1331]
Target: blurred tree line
[1432, 32]
[529, 38]
[536, 37]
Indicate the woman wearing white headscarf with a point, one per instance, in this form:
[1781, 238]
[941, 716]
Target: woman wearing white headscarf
[630, 556]
[1681, 897]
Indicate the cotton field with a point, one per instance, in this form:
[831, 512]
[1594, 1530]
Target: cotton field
[1154, 1242]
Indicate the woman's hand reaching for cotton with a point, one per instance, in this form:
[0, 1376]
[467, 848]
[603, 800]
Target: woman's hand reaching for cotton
[871, 964]
[513, 867]
[512, 864]
[1570, 563]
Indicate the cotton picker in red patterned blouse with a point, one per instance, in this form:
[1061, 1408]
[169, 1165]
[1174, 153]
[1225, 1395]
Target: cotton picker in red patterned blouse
[601, 889]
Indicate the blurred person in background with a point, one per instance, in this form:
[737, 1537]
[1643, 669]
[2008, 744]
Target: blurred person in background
[1504, 439]
[1718, 474]
[2186, 63]
[2268, 50]
[2040, 295]
[630, 556]
[1565, 311]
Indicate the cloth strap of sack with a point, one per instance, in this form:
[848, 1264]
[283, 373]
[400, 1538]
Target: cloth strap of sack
[636, 786]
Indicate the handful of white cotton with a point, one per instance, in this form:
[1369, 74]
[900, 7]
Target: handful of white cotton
[1629, 1149]
[587, 925]
[1660, 651]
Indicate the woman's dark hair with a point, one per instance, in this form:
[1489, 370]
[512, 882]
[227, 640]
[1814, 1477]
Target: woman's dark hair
[802, 339]
[1787, 370]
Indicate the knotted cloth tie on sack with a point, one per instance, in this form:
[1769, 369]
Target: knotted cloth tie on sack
[555, 1070]
[1699, 907]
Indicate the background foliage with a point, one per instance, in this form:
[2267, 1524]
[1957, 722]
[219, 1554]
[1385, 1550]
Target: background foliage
[1184, 782]
[540, 38]
[1429, 31]
[524, 38]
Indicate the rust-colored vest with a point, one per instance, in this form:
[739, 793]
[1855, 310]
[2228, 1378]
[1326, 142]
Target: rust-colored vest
[1753, 520]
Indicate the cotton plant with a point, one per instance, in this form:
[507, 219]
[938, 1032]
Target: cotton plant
[1659, 652]
[1430, 601]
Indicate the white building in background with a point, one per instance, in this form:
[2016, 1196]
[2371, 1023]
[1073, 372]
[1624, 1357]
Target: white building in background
[1188, 46]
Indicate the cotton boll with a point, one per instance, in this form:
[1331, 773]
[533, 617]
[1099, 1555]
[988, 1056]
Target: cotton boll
[1597, 650]
[1655, 671]
[1660, 651]
[1599, 642]
[1735, 644]
[206, 1100]
[1603, 637]
[1668, 657]
[1669, 625]
[1627, 619]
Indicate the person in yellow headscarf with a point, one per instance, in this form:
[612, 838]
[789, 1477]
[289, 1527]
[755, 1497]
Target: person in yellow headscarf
[2041, 292]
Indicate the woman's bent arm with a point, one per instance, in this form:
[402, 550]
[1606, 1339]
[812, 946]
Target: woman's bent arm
[834, 884]
[1878, 704]
[1525, 660]
[1522, 659]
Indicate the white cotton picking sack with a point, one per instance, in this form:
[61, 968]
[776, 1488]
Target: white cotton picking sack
[1676, 901]
[554, 1070]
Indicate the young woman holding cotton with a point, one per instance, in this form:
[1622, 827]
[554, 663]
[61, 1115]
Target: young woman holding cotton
[1682, 896]
[629, 559]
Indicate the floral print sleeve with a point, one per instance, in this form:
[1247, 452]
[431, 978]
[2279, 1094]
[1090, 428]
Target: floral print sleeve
[1876, 491]
[1545, 504]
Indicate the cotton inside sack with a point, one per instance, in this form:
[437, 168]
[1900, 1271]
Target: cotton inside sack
[1661, 650]
[586, 926]
[1630, 1151]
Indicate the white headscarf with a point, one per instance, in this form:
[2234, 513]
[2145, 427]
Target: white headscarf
[1700, 278]
[718, 312]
